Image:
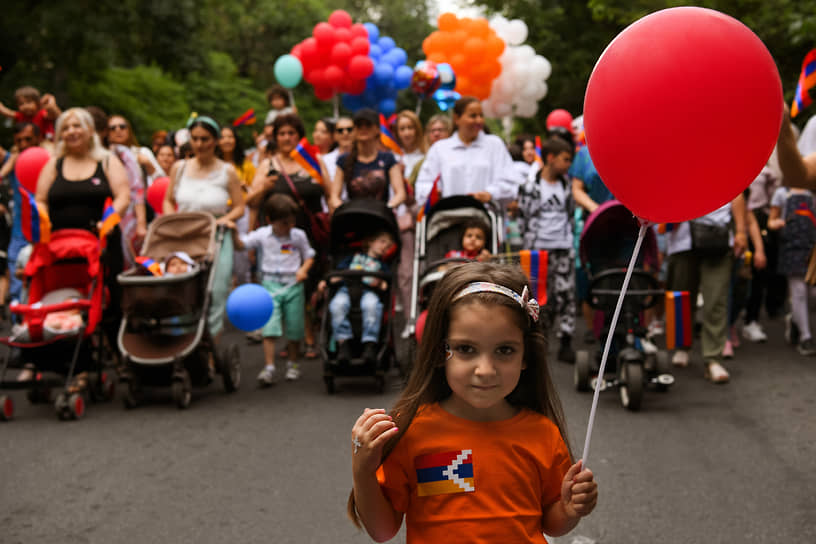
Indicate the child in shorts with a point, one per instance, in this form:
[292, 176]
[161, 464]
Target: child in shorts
[286, 258]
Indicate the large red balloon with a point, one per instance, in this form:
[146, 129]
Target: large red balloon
[324, 34]
[156, 192]
[559, 118]
[28, 167]
[681, 113]
[340, 19]
[360, 67]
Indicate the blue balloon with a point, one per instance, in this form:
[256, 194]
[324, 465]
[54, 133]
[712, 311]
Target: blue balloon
[373, 32]
[249, 307]
[375, 52]
[402, 77]
[387, 106]
[352, 103]
[386, 43]
[399, 55]
[384, 73]
[445, 99]
[447, 77]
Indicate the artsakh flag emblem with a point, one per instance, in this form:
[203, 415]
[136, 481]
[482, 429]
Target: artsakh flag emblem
[443, 473]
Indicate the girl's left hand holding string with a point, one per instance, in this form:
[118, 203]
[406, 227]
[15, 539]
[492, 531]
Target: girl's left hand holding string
[579, 491]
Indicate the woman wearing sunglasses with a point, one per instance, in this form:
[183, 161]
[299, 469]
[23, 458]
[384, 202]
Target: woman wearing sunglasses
[344, 138]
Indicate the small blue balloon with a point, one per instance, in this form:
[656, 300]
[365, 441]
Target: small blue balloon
[402, 77]
[387, 106]
[249, 307]
[447, 77]
[386, 43]
[375, 52]
[384, 73]
[399, 55]
[351, 102]
[373, 32]
[445, 99]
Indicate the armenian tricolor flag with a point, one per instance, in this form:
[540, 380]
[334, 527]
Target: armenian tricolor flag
[246, 118]
[663, 228]
[804, 211]
[534, 265]
[387, 138]
[306, 156]
[807, 80]
[150, 265]
[443, 473]
[109, 219]
[432, 199]
[539, 158]
[35, 222]
[678, 319]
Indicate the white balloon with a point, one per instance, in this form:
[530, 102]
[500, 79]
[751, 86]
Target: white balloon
[518, 32]
[487, 108]
[542, 66]
[503, 110]
[527, 109]
[525, 53]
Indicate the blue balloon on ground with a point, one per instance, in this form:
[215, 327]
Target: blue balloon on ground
[249, 307]
[373, 32]
[402, 77]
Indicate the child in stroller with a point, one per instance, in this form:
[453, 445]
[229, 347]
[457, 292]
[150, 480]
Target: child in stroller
[163, 336]
[606, 246]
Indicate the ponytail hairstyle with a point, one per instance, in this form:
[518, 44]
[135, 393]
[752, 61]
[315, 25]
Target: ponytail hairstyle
[427, 383]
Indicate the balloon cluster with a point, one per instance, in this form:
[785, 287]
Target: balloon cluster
[336, 58]
[471, 48]
[389, 75]
[436, 80]
[523, 79]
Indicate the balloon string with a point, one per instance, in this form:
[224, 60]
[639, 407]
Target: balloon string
[336, 107]
[419, 106]
[641, 235]
[291, 97]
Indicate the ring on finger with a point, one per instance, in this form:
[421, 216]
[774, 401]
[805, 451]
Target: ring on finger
[356, 442]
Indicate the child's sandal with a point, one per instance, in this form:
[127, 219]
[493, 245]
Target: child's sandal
[311, 352]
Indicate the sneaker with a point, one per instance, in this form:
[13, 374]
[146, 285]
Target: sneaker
[565, 353]
[255, 336]
[680, 358]
[343, 352]
[292, 371]
[791, 330]
[370, 352]
[655, 328]
[406, 332]
[807, 347]
[728, 350]
[753, 332]
[716, 373]
[268, 376]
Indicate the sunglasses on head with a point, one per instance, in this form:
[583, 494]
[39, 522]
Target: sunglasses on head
[120, 126]
[344, 130]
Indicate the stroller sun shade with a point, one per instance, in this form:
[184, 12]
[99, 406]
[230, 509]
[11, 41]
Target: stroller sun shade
[609, 237]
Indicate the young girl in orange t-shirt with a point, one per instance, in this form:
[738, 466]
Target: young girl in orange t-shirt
[475, 449]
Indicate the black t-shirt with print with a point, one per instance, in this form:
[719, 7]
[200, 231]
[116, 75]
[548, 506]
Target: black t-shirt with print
[369, 179]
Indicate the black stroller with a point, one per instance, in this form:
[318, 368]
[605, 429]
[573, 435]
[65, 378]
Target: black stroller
[607, 242]
[163, 337]
[351, 223]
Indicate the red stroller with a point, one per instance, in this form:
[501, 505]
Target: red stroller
[64, 275]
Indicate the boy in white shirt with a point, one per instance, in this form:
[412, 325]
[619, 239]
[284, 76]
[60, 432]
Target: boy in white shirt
[286, 258]
[545, 221]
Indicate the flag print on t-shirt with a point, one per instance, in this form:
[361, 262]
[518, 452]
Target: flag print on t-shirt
[442, 473]
[287, 248]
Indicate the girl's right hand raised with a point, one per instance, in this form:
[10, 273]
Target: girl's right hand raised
[368, 437]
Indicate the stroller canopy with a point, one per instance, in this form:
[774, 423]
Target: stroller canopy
[609, 238]
[358, 218]
[191, 232]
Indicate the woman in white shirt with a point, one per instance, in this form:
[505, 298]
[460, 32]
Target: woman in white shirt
[344, 138]
[470, 161]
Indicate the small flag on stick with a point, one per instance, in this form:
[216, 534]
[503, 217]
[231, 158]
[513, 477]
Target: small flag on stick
[35, 222]
[807, 80]
[246, 118]
[387, 138]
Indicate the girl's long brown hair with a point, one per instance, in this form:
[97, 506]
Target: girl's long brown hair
[427, 384]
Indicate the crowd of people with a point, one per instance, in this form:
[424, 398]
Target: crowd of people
[763, 238]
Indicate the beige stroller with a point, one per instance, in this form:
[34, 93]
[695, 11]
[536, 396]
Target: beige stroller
[163, 337]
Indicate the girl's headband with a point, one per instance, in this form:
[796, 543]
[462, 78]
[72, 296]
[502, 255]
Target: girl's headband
[529, 305]
[195, 118]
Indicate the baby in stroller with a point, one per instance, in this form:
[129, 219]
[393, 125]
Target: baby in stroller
[375, 248]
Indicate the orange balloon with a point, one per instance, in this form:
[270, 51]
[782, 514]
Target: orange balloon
[462, 85]
[459, 62]
[447, 21]
[481, 28]
[460, 37]
[437, 57]
[475, 49]
[495, 46]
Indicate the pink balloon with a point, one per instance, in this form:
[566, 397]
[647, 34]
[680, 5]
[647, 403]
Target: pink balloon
[156, 192]
[28, 167]
[324, 34]
[360, 67]
[360, 46]
[340, 19]
[663, 82]
[340, 55]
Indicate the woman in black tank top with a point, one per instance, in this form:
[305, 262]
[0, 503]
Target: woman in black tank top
[78, 204]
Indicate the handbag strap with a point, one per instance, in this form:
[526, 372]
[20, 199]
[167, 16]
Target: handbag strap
[291, 185]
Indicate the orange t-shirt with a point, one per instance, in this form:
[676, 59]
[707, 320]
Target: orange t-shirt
[458, 480]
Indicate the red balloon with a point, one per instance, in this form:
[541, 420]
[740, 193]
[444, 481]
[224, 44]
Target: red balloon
[28, 167]
[559, 118]
[358, 30]
[662, 84]
[360, 46]
[317, 77]
[356, 86]
[296, 52]
[308, 50]
[340, 19]
[340, 55]
[342, 35]
[323, 93]
[156, 192]
[333, 76]
[324, 34]
[360, 67]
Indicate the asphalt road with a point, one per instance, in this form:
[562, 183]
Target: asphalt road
[698, 464]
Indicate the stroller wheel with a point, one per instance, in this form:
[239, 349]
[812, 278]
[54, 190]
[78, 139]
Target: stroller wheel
[662, 366]
[230, 367]
[631, 385]
[6, 408]
[132, 394]
[104, 388]
[329, 381]
[581, 370]
[69, 406]
[182, 391]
